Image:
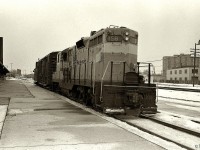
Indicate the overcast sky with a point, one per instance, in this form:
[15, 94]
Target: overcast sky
[33, 28]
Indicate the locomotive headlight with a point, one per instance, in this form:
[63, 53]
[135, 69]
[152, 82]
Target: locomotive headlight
[126, 38]
[126, 33]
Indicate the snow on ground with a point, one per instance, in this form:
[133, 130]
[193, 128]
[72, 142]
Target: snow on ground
[11, 78]
[3, 110]
[182, 95]
[190, 86]
[179, 116]
[182, 121]
[194, 108]
[178, 96]
[184, 102]
[30, 80]
[165, 131]
[180, 99]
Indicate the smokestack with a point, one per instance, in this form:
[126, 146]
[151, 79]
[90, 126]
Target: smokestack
[1, 50]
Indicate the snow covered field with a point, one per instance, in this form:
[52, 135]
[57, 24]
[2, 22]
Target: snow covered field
[190, 86]
[183, 100]
[178, 95]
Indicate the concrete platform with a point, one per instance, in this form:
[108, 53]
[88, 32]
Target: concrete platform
[37, 119]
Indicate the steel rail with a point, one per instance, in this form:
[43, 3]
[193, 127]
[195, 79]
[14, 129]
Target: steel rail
[156, 134]
[173, 126]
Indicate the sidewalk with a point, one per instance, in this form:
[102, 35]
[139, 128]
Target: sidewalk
[38, 119]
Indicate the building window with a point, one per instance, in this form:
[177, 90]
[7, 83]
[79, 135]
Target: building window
[196, 71]
[170, 72]
[180, 71]
[185, 78]
[100, 39]
[180, 79]
[175, 79]
[65, 56]
[175, 71]
[170, 79]
[95, 41]
[185, 71]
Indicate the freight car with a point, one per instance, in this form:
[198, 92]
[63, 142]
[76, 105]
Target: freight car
[44, 69]
[102, 71]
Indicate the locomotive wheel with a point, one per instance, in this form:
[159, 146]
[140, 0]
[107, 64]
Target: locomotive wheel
[75, 94]
[87, 98]
[93, 103]
[81, 97]
[70, 93]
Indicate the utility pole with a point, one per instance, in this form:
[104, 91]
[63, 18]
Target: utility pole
[195, 55]
[195, 52]
[11, 68]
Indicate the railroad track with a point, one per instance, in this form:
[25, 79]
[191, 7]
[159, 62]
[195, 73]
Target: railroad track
[173, 126]
[165, 126]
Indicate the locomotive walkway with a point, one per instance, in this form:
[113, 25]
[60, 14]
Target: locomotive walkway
[37, 119]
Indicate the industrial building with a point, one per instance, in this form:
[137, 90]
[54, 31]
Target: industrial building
[179, 68]
[183, 75]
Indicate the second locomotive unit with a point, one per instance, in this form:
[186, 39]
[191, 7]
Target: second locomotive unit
[102, 71]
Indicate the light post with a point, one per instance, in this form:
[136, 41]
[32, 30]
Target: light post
[11, 68]
[195, 52]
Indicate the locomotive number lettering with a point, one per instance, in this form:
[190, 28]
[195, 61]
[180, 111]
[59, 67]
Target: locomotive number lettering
[114, 38]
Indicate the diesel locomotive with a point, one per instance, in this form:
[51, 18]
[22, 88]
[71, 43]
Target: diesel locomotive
[101, 71]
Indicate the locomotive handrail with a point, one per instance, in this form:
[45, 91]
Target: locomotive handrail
[102, 81]
[149, 70]
[104, 76]
[94, 72]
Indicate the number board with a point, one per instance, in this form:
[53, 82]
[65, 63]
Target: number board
[114, 38]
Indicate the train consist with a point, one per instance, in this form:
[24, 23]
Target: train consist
[101, 71]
